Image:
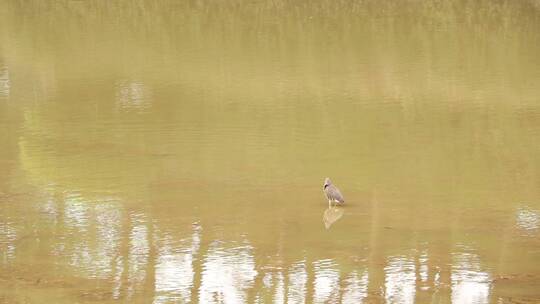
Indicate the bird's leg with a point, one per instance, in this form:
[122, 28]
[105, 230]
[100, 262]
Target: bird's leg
[329, 203]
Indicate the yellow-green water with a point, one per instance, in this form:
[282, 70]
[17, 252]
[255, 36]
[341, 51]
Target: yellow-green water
[174, 151]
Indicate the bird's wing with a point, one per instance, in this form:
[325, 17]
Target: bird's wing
[335, 193]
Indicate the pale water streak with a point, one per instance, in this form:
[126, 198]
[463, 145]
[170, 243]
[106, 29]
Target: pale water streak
[469, 283]
[297, 283]
[4, 82]
[326, 285]
[174, 268]
[400, 283]
[355, 290]
[227, 274]
[8, 238]
[528, 220]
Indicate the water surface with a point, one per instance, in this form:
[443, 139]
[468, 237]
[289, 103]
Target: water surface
[174, 152]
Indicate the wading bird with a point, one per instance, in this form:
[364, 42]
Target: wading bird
[332, 193]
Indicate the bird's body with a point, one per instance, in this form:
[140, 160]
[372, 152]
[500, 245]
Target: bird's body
[332, 193]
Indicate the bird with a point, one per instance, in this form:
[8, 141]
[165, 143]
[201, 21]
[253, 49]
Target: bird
[332, 193]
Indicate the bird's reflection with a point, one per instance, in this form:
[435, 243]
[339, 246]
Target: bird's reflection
[332, 215]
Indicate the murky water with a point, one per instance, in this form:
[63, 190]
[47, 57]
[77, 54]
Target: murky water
[174, 151]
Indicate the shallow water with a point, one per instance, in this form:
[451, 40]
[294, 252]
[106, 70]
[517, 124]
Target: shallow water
[160, 152]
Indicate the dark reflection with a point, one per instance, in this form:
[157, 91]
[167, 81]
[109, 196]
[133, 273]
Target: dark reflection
[332, 215]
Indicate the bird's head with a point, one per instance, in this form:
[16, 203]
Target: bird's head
[327, 182]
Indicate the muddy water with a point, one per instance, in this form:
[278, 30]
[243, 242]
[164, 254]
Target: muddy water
[174, 151]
